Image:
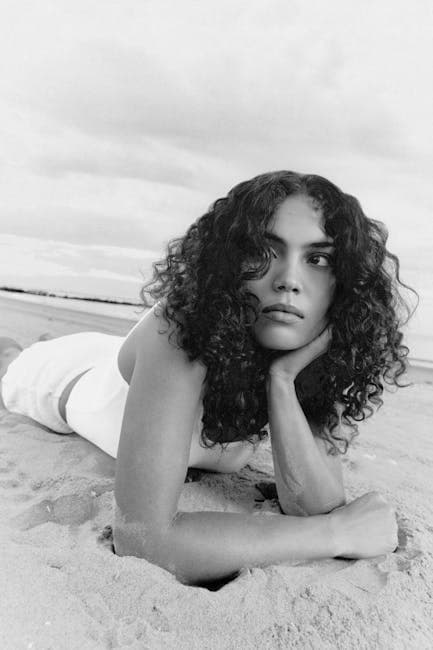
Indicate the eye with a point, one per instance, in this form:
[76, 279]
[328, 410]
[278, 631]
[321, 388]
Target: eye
[274, 253]
[320, 259]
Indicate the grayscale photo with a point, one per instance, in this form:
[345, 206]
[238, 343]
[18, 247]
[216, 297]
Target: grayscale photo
[216, 325]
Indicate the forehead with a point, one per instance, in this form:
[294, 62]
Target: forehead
[297, 218]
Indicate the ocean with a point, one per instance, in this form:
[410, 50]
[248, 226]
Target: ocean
[117, 273]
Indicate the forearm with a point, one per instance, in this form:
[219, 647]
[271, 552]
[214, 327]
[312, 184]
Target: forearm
[308, 479]
[205, 546]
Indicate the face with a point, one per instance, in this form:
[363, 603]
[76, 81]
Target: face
[297, 291]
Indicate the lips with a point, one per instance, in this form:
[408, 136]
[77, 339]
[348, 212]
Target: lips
[282, 309]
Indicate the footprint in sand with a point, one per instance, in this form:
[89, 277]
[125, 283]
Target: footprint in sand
[407, 552]
[71, 509]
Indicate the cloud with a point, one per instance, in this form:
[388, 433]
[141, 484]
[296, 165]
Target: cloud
[122, 121]
[290, 97]
[217, 82]
[86, 227]
[143, 167]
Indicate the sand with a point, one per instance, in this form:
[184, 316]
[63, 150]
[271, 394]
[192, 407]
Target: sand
[63, 588]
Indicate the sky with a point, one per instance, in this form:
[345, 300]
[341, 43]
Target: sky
[122, 121]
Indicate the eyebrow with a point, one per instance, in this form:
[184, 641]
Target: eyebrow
[317, 244]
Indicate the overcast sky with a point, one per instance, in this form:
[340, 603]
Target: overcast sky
[120, 121]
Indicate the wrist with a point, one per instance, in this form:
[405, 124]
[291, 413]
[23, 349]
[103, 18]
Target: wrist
[281, 378]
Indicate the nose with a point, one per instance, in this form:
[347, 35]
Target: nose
[286, 286]
[286, 278]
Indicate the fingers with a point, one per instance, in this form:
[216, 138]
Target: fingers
[294, 361]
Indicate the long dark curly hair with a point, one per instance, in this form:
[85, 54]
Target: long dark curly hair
[201, 286]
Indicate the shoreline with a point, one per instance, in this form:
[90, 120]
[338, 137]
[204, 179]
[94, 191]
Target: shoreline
[111, 308]
[82, 297]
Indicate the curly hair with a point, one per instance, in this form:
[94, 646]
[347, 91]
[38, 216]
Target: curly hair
[201, 286]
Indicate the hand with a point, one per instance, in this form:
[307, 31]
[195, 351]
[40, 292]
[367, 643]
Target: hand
[290, 364]
[366, 527]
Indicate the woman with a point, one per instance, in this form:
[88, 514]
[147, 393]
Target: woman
[279, 306]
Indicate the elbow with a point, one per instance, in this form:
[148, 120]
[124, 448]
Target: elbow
[156, 548]
[137, 540]
[126, 545]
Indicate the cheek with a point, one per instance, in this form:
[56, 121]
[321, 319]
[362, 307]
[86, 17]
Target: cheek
[327, 292]
[323, 300]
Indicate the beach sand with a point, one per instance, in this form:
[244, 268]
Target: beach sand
[63, 588]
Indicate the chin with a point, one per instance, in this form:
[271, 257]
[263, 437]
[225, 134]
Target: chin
[277, 341]
[280, 345]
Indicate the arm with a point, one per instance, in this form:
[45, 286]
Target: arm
[309, 480]
[150, 470]
[202, 546]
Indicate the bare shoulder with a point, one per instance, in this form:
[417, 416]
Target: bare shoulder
[154, 339]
